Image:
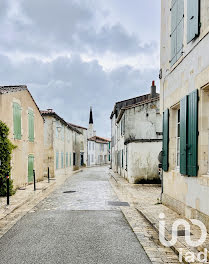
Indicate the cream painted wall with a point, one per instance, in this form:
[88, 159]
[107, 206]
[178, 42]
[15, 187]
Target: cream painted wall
[189, 73]
[57, 138]
[19, 171]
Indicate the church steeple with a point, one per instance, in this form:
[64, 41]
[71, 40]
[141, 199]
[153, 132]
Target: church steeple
[91, 116]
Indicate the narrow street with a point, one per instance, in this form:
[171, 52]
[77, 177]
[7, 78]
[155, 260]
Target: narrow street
[77, 224]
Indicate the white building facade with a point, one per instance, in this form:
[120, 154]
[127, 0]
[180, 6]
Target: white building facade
[98, 147]
[136, 126]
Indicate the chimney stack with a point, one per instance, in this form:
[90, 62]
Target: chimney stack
[153, 90]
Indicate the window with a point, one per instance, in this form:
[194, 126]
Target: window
[178, 140]
[17, 121]
[74, 159]
[122, 129]
[57, 160]
[93, 145]
[177, 29]
[122, 158]
[62, 160]
[66, 160]
[70, 159]
[92, 158]
[30, 125]
[89, 145]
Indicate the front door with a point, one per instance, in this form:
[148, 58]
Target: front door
[82, 160]
[30, 168]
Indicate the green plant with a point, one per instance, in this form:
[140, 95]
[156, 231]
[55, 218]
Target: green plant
[6, 148]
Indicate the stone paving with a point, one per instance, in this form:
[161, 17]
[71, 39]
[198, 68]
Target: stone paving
[78, 227]
[146, 234]
[94, 187]
[145, 200]
[24, 200]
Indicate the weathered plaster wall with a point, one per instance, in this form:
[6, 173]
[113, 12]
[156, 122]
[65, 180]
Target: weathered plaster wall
[19, 171]
[57, 138]
[143, 160]
[143, 122]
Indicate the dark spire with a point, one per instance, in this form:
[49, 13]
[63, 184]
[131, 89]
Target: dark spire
[91, 116]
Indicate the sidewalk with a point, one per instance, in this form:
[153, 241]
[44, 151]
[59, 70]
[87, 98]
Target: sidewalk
[145, 199]
[24, 200]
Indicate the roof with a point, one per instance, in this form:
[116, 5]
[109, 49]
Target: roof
[123, 109]
[50, 112]
[130, 101]
[99, 139]
[17, 88]
[12, 88]
[77, 126]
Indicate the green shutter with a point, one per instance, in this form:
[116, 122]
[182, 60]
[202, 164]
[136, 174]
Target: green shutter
[173, 31]
[62, 160]
[192, 166]
[180, 28]
[183, 135]
[165, 139]
[57, 160]
[177, 29]
[30, 125]
[192, 19]
[30, 168]
[17, 121]
[66, 160]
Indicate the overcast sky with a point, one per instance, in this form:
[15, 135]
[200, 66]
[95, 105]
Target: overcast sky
[73, 54]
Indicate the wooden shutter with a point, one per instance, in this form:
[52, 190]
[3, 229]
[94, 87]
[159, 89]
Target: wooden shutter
[192, 159]
[165, 139]
[193, 27]
[30, 167]
[183, 135]
[179, 28]
[31, 125]
[173, 31]
[57, 160]
[17, 120]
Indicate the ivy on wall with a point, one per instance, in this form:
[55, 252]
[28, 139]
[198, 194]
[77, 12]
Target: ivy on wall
[6, 148]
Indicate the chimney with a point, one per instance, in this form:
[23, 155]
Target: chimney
[153, 90]
[50, 110]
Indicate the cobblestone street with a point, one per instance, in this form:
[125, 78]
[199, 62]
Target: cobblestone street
[77, 223]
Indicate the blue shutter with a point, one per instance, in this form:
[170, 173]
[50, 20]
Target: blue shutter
[183, 135]
[192, 19]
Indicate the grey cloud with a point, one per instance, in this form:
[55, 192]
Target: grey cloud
[47, 27]
[70, 86]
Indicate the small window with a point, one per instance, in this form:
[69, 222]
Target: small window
[178, 140]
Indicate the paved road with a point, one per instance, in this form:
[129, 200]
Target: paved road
[74, 228]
